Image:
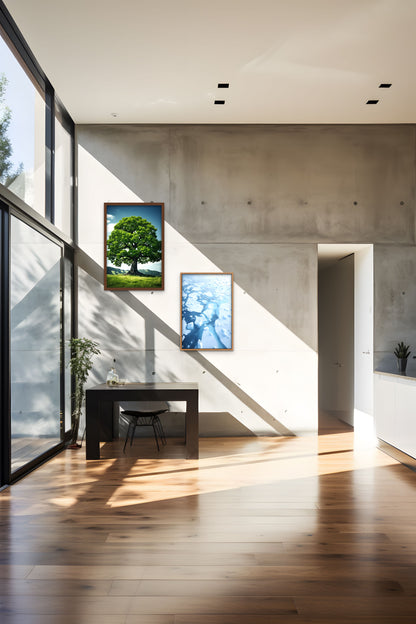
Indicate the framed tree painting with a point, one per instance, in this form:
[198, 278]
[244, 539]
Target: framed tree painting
[206, 311]
[133, 246]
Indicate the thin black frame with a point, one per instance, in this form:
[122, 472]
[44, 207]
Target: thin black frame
[53, 450]
[53, 108]
[5, 425]
[11, 204]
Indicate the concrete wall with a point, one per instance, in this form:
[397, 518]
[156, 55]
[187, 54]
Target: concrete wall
[253, 200]
[394, 304]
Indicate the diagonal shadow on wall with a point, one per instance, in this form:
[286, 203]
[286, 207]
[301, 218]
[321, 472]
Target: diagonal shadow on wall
[203, 175]
[91, 267]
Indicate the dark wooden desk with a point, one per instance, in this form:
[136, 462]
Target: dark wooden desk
[102, 411]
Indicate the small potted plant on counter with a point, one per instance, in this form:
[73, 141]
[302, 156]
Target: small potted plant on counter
[402, 352]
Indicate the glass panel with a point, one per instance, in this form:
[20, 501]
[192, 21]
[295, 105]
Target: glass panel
[63, 179]
[22, 132]
[4, 461]
[68, 273]
[35, 329]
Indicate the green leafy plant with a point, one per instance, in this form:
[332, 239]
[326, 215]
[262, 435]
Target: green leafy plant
[82, 353]
[133, 241]
[402, 351]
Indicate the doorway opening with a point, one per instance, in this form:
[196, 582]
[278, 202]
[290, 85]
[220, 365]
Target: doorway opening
[345, 338]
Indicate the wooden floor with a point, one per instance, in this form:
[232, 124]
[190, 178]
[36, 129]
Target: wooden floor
[258, 531]
[24, 449]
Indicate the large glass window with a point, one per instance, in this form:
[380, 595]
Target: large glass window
[36, 165]
[63, 176]
[22, 132]
[67, 327]
[4, 405]
[35, 337]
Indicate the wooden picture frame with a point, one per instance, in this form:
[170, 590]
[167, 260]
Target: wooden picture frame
[134, 246]
[206, 312]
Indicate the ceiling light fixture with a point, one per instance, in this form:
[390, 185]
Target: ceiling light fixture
[219, 102]
[223, 85]
[384, 85]
[372, 101]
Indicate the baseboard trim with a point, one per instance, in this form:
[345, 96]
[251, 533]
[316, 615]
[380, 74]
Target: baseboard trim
[403, 458]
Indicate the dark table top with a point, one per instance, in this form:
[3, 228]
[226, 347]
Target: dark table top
[172, 385]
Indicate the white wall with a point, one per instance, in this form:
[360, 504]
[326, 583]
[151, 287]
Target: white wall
[395, 400]
[363, 338]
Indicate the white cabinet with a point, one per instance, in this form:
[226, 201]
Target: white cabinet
[395, 411]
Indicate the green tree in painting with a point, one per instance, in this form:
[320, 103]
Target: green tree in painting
[133, 241]
[7, 176]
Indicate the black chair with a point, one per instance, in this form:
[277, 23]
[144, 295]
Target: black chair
[144, 418]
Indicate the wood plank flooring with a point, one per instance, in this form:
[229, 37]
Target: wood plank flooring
[258, 531]
[24, 449]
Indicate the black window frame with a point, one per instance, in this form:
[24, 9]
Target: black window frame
[10, 204]
[5, 424]
[64, 118]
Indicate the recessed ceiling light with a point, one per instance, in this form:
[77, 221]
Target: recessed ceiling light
[384, 85]
[372, 102]
[223, 85]
[219, 102]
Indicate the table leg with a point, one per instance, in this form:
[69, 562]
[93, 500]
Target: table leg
[92, 443]
[106, 413]
[192, 429]
[116, 419]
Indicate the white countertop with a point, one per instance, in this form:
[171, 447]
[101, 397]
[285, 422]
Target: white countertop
[395, 375]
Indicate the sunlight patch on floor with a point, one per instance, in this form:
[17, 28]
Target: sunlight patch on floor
[165, 480]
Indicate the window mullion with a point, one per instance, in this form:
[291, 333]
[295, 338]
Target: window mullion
[5, 425]
[50, 153]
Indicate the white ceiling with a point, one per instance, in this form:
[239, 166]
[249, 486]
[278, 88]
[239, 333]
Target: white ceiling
[287, 61]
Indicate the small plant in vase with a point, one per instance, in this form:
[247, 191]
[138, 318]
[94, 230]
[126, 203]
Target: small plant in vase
[402, 352]
[82, 351]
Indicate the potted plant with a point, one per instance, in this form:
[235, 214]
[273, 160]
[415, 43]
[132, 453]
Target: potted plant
[82, 351]
[402, 352]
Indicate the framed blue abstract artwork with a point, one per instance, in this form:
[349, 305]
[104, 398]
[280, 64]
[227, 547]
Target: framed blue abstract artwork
[206, 311]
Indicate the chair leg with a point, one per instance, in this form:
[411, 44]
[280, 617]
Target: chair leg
[131, 428]
[132, 433]
[160, 431]
[155, 433]
[127, 437]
